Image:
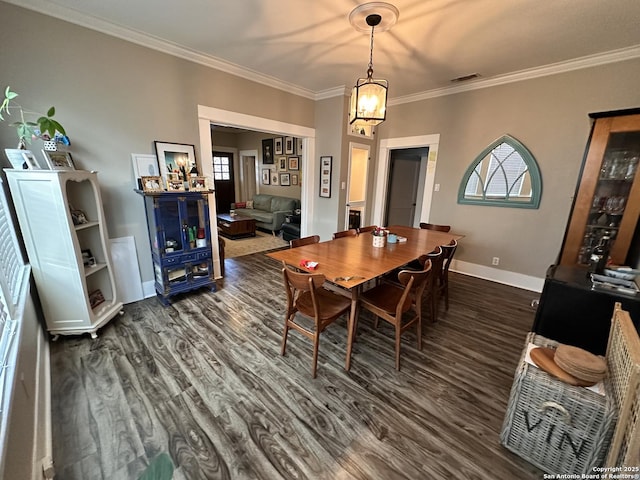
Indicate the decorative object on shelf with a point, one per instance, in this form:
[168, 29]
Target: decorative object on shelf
[30, 160]
[282, 164]
[144, 165]
[175, 186]
[58, 160]
[277, 146]
[16, 158]
[45, 127]
[325, 176]
[87, 258]
[379, 235]
[285, 179]
[369, 95]
[175, 158]
[266, 176]
[294, 163]
[267, 151]
[198, 184]
[78, 217]
[151, 184]
[96, 298]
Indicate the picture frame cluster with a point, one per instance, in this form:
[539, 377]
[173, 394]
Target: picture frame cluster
[284, 153]
[51, 160]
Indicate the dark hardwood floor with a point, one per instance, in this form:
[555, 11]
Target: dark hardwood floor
[203, 380]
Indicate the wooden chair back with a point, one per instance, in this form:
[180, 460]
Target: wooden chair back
[299, 242]
[436, 257]
[352, 232]
[433, 226]
[368, 228]
[443, 280]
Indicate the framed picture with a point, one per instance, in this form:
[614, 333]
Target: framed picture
[267, 151]
[175, 186]
[198, 184]
[298, 146]
[144, 165]
[177, 158]
[14, 155]
[58, 160]
[325, 176]
[274, 178]
[288, 145]
[285, 179]
[282, 164]
[30, 160]
[78, 217]
[152, 184]
[96, 298]
[294, 179]
[266, 176]
[277, 146]
[294, 163]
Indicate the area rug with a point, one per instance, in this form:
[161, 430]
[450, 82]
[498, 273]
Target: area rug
[244, 246]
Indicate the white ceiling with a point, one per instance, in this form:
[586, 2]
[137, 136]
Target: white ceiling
[309, 46]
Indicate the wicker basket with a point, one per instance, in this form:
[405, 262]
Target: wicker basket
[623, 358]
[559, 428]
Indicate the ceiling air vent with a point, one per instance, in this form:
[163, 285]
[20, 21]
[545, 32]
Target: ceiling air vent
[466, 78]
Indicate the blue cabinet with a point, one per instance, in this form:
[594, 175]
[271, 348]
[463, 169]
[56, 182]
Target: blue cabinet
[180, 239]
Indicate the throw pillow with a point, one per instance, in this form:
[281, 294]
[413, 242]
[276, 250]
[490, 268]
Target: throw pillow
[250, 204]
[241, 204]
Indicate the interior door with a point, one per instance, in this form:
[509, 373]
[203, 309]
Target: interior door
[247, 175]
[357, 185]
[403, 190]
[223, 180]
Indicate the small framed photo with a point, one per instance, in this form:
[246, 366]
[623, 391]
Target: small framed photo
[294, 179]
[267, 151]
[289, 145]
[198, 184]
[298, 146]
[58, 160]
[88, 259]
[15, 157]
[266, 176]
[285, 179]
[30, 159]
[274, 178]
[96, 298]
[294, 163]
[277, 146]
[175, 186]
[282, 164]
[152, 184]
[78, 217]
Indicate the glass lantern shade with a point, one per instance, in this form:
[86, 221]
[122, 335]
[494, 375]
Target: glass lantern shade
[368, 101]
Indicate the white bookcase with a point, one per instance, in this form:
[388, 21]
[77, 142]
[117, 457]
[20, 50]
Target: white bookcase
[77, 296]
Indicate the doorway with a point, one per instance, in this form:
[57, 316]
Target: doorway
[247, 184]
[404, 177]
[357, 179]
[223, 180]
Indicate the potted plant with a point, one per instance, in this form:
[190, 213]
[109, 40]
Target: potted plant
[44, 127]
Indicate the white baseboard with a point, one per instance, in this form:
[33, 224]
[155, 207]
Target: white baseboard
[505, 277]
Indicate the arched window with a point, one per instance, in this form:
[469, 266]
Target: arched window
[505, 174]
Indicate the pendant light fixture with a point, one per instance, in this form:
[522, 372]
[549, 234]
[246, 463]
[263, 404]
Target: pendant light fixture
[369, 95]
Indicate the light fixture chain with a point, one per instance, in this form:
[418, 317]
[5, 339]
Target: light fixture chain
[370, 70]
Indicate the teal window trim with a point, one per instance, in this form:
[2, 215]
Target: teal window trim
[532, 169]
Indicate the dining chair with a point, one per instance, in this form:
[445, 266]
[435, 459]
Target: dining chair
[433, 226]
[299, 242]
[432, 290]
[352, 232]
[443, 280]
[369, 228]
[390, 302]
[306, 296]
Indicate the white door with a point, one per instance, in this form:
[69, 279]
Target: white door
[248, 182]
[356, 206]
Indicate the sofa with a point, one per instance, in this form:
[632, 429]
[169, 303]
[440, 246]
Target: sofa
[269, 211]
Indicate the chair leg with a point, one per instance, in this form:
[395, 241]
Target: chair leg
[446, 295]
[419, 331]
[375, 322]
[316, 345]
[284, 336]
[398, 333]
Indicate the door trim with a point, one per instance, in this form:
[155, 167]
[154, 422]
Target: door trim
[382, 174]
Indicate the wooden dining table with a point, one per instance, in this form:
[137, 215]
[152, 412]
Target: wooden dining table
[351, 262]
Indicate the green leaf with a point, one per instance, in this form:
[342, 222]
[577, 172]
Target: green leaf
[57, 127]
[160, 468]
[51, 112]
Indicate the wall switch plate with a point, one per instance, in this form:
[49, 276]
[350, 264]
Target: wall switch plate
[436, 187]
[495, 261]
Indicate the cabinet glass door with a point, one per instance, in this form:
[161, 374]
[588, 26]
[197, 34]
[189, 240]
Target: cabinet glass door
[195, 222]
[171, 235]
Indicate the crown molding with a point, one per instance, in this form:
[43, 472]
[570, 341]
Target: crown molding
[155, 43]
[613, 56]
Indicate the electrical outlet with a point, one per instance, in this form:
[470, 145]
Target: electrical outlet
[495, 261]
